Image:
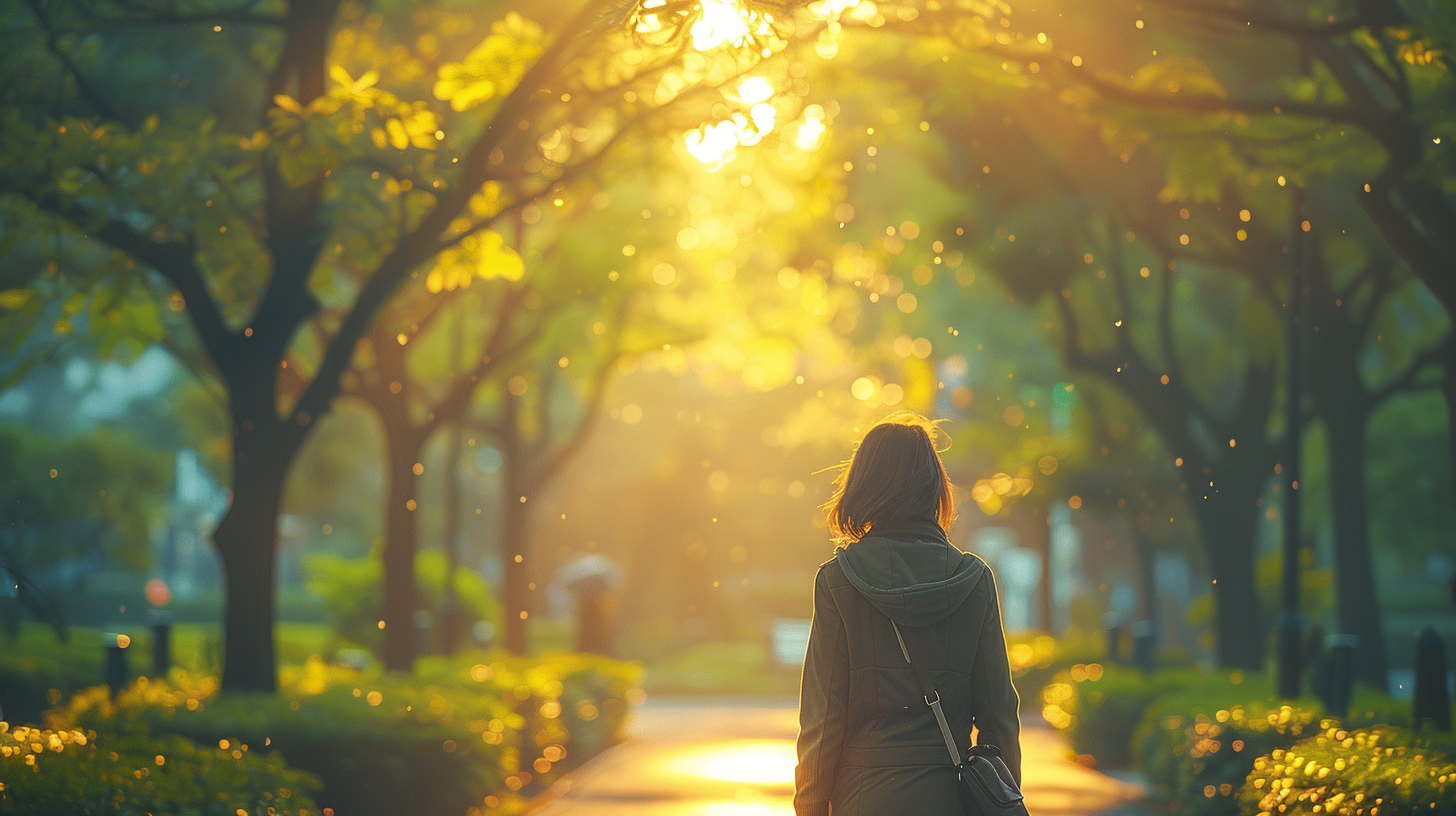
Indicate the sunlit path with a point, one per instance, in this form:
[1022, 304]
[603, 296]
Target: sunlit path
[734, 757]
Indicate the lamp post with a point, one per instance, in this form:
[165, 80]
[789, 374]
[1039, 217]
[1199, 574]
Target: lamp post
[1290, 664]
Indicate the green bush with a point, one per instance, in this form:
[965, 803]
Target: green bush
[1351, 773]
[1036, 659]
[353, 592]
[1196, 745]
[37, 671]
[66, 772]
[1098, 708]
[457, 735]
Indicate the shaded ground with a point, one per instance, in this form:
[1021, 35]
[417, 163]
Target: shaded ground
[735, 757]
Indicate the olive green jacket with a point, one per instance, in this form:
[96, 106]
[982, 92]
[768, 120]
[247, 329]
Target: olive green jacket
[868, 743]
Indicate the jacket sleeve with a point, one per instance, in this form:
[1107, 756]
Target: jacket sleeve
[994, 698]
[823, 705]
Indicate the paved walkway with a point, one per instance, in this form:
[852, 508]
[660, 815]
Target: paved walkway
[735, 757]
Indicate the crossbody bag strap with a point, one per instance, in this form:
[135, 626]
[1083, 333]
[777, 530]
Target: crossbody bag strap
[932, 697]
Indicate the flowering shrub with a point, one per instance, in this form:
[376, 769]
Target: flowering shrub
[471, 732]
[69, 771]
[1380, 771]
[1197, 745]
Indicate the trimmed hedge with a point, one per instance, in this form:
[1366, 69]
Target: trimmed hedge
[38, 671]
[1353, 772]
[74, 773]
[464, 733]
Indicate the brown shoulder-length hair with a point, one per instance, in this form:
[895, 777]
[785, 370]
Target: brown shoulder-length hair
[895, 474]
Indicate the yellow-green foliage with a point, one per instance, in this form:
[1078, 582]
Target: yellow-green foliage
[1036, 659]
[70, 772]
[1380, 770]
[1198, 744]
[1099, 707]
[353, 592]
[476, 730]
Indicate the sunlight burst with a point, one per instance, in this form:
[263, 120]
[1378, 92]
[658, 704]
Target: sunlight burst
[749, 762]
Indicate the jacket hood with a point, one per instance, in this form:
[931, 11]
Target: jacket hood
[911, 572]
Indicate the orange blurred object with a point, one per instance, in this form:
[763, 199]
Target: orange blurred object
[157, 592]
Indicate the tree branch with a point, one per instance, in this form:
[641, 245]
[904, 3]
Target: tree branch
[591, 415]
[1376, 122]
[1406, 380]
[174, 260]
[243, 14]
[1267, 22]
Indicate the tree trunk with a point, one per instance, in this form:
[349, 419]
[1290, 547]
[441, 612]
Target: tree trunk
[1356, 603]
[1448, 389]
[401, 636]
[452, 616]
[1147, 578]
[1228, 523]
[515, 552]
[247, 543]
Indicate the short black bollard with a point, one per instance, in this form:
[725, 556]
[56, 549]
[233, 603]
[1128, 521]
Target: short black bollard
[1144, 646]
[1315, 659]
[1339, 674]
[1112, 628]
[161, 644]
[116, 670]
[1432, 699]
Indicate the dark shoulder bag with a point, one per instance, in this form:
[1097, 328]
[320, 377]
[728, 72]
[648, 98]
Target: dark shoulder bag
[984, 782]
